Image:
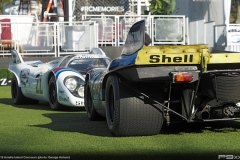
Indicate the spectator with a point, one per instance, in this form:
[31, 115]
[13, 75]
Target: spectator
[53, 17]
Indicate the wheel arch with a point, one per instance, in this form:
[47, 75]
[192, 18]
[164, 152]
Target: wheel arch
[47, 86]
[87, 78]
[18, 79]
[50, 75]
[102, 85]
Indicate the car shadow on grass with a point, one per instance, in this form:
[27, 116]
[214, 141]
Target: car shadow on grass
[200, 127]
[79, 122]
[7, 101]
[40, 106]
[76, 122]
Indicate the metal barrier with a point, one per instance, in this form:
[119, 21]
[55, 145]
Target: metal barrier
[113, 29]
[218, 37]
[29, 38]
[48, 38]
[168, 29]
[62, 38]
[75, 37]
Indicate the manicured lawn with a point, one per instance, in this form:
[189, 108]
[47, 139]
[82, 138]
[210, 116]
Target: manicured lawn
[36, 130]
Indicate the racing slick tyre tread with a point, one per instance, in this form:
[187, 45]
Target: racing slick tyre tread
[89, 106]
[127, 113]
[54, 104]
[17, 95]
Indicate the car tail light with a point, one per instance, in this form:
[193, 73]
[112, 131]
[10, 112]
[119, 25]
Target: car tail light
[183, 77]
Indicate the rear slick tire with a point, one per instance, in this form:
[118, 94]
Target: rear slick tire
[17, 95]
[127, 112]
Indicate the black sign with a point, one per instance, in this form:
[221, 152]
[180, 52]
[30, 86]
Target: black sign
[5, 82]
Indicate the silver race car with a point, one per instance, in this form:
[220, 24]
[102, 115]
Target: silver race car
[59, 82]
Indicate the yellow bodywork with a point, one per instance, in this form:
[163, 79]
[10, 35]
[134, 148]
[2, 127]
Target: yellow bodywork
[184, 55]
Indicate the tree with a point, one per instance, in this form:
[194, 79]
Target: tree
[236, 10]
[162, 7]
[4, 2]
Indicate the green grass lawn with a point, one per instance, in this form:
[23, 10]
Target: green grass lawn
[36, 130]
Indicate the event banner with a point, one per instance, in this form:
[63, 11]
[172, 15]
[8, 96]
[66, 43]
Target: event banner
[5, 82]
[233, 34]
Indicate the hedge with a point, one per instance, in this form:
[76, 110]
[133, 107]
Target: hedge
[5, 73]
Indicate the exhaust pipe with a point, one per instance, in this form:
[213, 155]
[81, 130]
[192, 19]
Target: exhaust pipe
[203, 115]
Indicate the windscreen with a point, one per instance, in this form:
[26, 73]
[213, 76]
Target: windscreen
[135, 38]
[85, 64]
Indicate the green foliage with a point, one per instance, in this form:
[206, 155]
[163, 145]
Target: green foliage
[5, 73]
[235, 12]
[162, 7]
[4, 2]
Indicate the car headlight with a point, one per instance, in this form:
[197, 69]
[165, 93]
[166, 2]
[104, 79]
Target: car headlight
[81, 91]
[71, 84]
[75, 85]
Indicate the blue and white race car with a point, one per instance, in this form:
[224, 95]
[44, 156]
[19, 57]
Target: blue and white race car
[59, 82]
